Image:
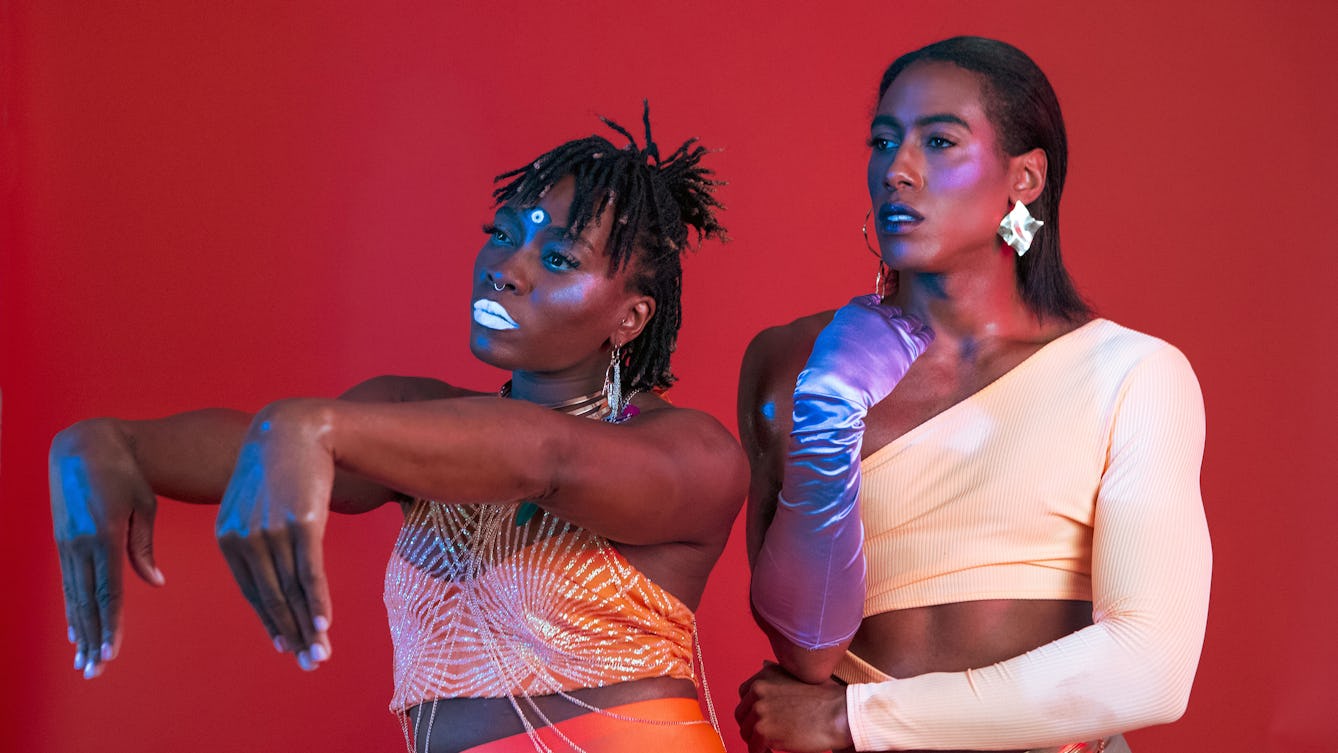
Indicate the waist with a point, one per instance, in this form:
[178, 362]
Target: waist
[456, 724]
[958, 636]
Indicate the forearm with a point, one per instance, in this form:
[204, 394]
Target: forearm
[809, 579]
[1104, 679]
[462, 450]
[188, 456]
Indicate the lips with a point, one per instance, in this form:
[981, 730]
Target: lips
[492, 315]
[898, 218]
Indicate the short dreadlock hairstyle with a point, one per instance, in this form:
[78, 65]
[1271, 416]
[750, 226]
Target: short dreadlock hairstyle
[655, 201]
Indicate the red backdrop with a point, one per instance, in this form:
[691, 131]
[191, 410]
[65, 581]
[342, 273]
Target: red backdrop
[207, 206]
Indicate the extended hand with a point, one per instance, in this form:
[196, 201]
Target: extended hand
[100, 505]
[272, 522]
[778, 712]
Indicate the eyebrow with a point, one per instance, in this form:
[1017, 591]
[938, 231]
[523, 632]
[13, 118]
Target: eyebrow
[942, 117]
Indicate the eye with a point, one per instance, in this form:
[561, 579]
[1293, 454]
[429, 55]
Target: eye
[497, 235]
[882, 143]
[940, 142]
[556, 258]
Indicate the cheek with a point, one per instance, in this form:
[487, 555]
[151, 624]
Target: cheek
[877, 169]
[574, 294]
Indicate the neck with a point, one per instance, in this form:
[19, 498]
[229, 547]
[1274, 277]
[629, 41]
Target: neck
[977, 303]
[546, 389]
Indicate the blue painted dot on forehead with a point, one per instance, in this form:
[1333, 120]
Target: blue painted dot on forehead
[538, 216]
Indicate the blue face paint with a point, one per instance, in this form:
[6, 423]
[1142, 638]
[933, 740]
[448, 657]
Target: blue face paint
[538, 217]
[769, 410]
[264, 425]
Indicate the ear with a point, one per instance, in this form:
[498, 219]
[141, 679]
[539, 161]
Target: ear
[636, 315]
[1026, 175]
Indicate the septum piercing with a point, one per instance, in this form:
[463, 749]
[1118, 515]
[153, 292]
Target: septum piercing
[498, 288]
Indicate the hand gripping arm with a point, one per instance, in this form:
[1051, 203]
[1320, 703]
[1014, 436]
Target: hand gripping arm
[809, 580]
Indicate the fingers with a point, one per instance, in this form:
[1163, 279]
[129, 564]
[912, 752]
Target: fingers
[108, 595]
[310, 557]
[241, 574]
[281, 545]
[139, 543]
[253, 568]
[81, 605]
[266, 568]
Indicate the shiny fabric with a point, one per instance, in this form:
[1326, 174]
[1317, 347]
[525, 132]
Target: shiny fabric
[663, 724]
[482, 608]
[809, 580]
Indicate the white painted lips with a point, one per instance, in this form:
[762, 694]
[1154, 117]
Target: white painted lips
[492, 315]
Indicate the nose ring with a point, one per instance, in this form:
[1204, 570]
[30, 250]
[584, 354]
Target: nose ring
[498, 288]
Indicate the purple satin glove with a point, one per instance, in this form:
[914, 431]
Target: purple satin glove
[809, 579]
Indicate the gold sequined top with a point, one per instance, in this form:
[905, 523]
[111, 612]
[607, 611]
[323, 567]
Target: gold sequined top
[482, 608]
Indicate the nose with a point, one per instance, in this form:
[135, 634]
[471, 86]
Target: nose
[904, 171]
[503, 272]
[497, 282]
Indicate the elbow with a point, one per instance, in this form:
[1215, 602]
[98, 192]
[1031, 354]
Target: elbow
[1173, 702]
[1166, 698]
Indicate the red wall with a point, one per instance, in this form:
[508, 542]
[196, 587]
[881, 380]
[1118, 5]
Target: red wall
[224, 207]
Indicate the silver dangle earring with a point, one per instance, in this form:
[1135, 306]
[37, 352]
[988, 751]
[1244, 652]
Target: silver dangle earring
[1018, 228]
[613, 385]
[885, 279]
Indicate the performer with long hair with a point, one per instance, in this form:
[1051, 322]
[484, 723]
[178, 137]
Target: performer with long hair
[973, 501]
[558, 531]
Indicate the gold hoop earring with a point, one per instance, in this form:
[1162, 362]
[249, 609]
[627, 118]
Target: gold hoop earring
[885, 281]
[865, 230]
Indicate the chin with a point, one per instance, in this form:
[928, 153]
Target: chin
[487, 351]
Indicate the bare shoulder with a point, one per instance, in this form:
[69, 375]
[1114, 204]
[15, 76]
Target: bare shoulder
[687, 423]
[771, 364]
[390, 388]
[688, 430]
[777, 354]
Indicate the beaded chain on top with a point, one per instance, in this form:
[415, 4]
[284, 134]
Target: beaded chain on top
[486, 601]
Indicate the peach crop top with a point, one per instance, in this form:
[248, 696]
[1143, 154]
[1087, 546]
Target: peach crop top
[994, 498]
[1073, 476]
[482, 608]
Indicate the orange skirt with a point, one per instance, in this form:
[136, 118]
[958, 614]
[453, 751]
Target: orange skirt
[602, 733]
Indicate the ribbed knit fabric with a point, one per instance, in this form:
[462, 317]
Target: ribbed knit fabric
[1073, 476]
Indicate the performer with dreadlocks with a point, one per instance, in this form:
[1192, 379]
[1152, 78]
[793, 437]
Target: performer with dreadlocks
[540, 594]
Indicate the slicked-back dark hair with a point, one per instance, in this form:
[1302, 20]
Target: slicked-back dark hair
[1024, 111]
[655, 201]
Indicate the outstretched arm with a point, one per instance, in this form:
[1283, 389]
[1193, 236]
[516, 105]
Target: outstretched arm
[105, 475]
[668, 475]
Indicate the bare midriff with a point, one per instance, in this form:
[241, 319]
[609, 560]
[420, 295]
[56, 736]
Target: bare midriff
[964, 635]
[461, 723]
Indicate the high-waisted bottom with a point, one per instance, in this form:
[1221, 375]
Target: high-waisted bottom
[670, 724]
